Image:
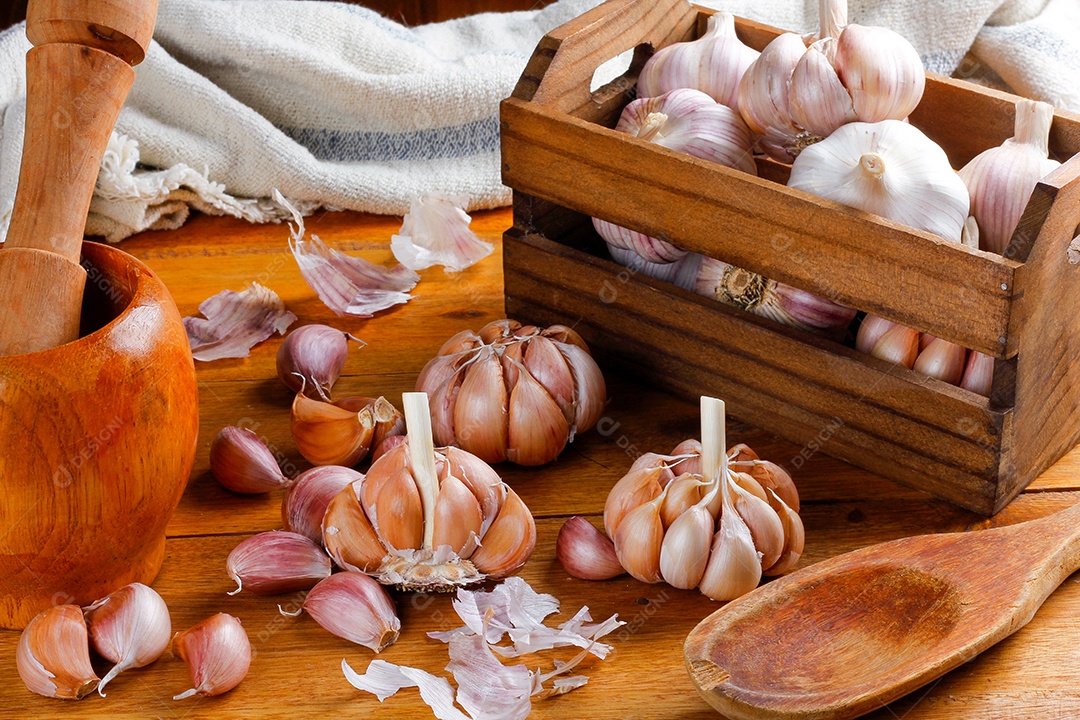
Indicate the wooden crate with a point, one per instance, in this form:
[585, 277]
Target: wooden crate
[565, 163]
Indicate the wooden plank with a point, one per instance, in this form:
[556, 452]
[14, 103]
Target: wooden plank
[931, 284]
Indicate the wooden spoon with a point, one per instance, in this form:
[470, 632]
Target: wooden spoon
[851, 634]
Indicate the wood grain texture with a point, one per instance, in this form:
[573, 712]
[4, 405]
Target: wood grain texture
[120, 27]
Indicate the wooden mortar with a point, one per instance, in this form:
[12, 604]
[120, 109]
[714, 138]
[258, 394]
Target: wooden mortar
[98, 397]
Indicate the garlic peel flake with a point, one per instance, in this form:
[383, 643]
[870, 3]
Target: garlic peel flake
[234, 322]
[436, 231]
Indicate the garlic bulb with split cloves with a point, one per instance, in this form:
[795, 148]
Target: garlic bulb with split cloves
[342, 432]
[130, 628]
[53, 654]
[704, 516]
[426, 518]
[889, 168]
[513, 392]
[714, 64]
[312, 358]
[218, 655]
[1002, 179]
[241, 462]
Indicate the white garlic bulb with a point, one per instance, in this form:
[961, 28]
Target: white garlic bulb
[1002, 179]
[889, 168]
[713, 64]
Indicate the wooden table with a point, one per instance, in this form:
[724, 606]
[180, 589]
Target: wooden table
[296, 668]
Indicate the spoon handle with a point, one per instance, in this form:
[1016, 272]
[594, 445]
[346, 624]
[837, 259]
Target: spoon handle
[77, 77]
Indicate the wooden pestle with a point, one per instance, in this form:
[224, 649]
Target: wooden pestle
[77, 77]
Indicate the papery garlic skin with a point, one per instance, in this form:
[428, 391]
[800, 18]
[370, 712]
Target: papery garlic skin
[889, 168]
[353, 606]
[131, 628]
[585, 552]
[241, 462]
[276, 562]
[714, 64]
[53, 655]
[218, 655]
[1002, 179]
[436, 231]
[311, 358]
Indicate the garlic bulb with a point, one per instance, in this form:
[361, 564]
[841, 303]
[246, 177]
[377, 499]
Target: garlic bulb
[427, 518]
[713, 64]
[131, 628]
[53, 655]
[342, 432]
[241, 462]
[662, 518]
[218, 655]
[275, 562]
[313, 356]
[513, 392]
[794, 96]
[890, 168]
[1002, 179]
[352, 606]
[688, 121]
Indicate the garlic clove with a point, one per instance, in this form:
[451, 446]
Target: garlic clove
[341, 433]
[808, 311]
[386, 446]
[458, 517]
[242, 463]
[347, 533]
[794, 537]
[537, 428]
[749, 484]
[771, 476]
[276, 562]
[392, 503]
[441, 380]
[484, 483]
[634, 489]
[764, 523]
[649, 248]
[498, 330]
[130, 628]
[638, 540]
[738, 453]
[218, 655]
[53, 655]
[819, 102]
[590, 391]
[546, 363]
[509, 541]
[305, 501]
[899, 345]
[714, 63]
[978, 374]
[681, 494]
[511, 359]
[684, 552]
[480, 412]
[942, 360]
[354, 607]
[881, 70]
[764, 95]
[585, 552]
[313, 356]
[734, 566]
[870, 331]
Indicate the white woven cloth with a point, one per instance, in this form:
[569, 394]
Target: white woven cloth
[336, 106]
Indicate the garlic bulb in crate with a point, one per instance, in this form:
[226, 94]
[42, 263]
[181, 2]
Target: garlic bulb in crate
[513, 392]
[426, 518]
[701, 517]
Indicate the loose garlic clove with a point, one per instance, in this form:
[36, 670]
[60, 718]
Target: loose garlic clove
[942, 360]
[794, 537]
[764, 523]
[276, 562]
[354, 607]
[343, 432]
[978, 374]
[734, 566]
[509, 541]
[304, 503]
[130, 628]
[632, 491]
[313, 356]
[714, 64]
[585, 552]
[881, 70]
[458, 518]
[348, 535]
[218, 655]
[899, 345]
[1002, 179]
[241, 462]
[684, 552]
[53, 655]
[638, 540]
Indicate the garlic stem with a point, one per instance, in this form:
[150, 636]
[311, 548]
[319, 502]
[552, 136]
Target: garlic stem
[1032, 124]
[422, 457]
[832, 17]
[713, 438]
[873, 164]
[654, 121]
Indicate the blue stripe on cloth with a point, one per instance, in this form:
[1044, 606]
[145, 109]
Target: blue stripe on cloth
[474, 138]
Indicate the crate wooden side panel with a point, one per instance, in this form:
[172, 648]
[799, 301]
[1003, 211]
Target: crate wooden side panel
[909, 277]
[890, 421]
